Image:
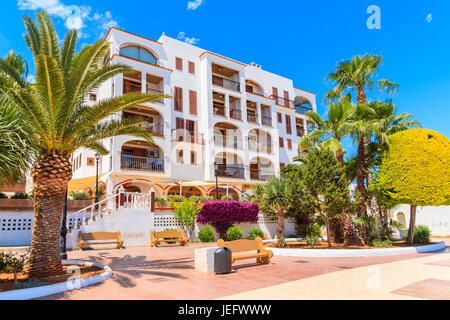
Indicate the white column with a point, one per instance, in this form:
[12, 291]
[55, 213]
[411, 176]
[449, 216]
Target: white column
[143, 82]
[259, 113]
[305, 126]
[227, 105]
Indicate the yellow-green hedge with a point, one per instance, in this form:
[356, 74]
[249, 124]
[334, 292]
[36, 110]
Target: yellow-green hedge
[416, 169]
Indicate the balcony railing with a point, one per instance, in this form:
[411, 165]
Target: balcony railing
[267, 121]
[263, 175]
[302, 109]
[226, 83]
[235, 114]
[219, 110]
[181, 135]
[260, 147]
[131, 86]
[300, 132]
[155, 91]
[223, 141]
[141, 163]
[230, 171]
[155, 128]
[283, 102]
[252, 117]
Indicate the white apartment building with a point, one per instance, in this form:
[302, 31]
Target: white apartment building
[225, 117]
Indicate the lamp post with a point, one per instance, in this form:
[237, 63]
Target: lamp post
[64, 230]
[97, 159]
[216, 173]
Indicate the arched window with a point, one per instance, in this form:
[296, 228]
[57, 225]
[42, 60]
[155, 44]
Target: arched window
[401, 219]
[223, 192]
[138, 53]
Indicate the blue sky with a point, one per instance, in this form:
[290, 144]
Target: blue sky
[302, 39]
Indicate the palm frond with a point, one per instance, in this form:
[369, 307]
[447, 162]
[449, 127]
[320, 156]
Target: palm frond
[68, 50]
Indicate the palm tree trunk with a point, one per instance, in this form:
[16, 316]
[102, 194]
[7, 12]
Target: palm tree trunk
[412, 224]
[280, 226]
[373, 203]
[360, 175]
[51, 174]
[340, 158]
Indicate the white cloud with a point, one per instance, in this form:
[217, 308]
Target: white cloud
[429, 18]
[31, 78]
[182, 36]
[193, 5]
[74, 16]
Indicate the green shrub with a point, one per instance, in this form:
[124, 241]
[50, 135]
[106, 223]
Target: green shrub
[281, 243]
[175, 198]
[255, 232]
[3, 196]
[207, 234]
[234, 233]
[422, 234]
[226, 198]
[20, 195]
[13, 263]
[80, 195]
[197, 199]
[382, 243]
[160, 200]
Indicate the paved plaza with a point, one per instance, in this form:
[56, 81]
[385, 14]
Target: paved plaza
[168, 273]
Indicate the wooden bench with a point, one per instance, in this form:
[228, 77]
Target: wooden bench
[157, 238]
[91, 238]
[245, 247]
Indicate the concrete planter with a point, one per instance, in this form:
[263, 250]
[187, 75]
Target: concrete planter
[346, 253]
[43, 291]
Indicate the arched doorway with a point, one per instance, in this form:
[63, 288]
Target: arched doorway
[223, 192]
[187, 192]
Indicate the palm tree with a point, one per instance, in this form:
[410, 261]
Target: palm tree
[273, 195]
[387, 123]
[54, 110]
[358, 75]
[330, 132]
[14, 141]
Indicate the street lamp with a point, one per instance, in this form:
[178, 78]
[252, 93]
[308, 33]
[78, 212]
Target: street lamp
[216, 173]
[97, 159]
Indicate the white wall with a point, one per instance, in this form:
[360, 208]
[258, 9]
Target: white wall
[436, 218]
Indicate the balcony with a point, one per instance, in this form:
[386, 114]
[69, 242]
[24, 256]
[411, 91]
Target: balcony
[235, 114]
[266, 120]
[131, 86]
[283, 102]
[181, 135]
[260, 147]
[219, 110]
[141, 163]
[226, 83]
[155, 128]
[230, 171]
[151, 90]
[300, 132]
[261, 175]
[302, 109]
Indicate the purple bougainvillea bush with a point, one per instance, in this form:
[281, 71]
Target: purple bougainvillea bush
[224, 214]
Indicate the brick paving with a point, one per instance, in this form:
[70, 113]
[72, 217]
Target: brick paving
[430, 289]
[168, 273]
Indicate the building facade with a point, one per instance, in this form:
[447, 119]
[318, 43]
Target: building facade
[225, 118]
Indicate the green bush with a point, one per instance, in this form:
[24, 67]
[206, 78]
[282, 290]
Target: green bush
[382, 243]
[207, 234]
[20, 195]
[160, 200]
[234, 233]
[175, 198]
[281, 243]
[3, 196]
[80, 195]
[255, 232]
[197, 199]
[422, 234]
[226, 198]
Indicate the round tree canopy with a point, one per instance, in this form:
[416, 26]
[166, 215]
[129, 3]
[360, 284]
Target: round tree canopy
[416, 168]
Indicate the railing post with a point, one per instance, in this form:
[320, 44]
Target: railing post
[152, 200]
[121, 196]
